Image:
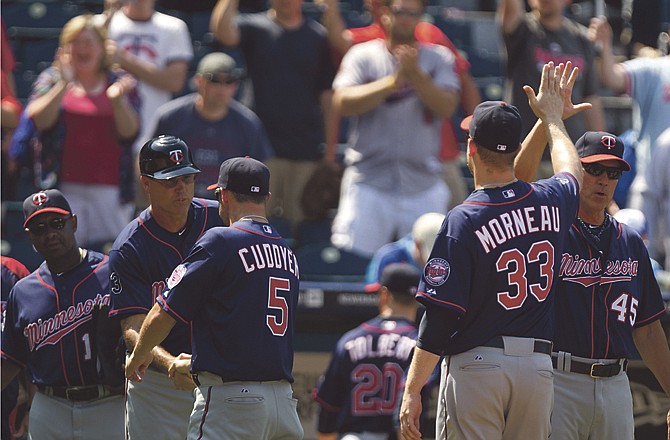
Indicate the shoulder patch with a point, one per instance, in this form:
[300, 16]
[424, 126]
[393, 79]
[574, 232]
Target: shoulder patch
[437, 271]
[177, 275]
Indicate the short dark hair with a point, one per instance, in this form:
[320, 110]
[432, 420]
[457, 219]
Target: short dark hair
[402, 298]
[248, 198]
[494, 159]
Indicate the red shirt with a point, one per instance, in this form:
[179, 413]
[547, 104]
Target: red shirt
[91, 152]
[425, 33]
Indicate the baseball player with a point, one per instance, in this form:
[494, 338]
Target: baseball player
[142, 259]
[11, 272]
[238, 290]
[608, 304]
[361, 390]
[488, 283]
[53, 325]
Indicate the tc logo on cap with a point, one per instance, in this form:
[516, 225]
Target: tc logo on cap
[40, 198]
[176, 156]
[608, 142]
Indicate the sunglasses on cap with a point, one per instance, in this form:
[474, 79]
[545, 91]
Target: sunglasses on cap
[595, 169]
[220, 79]
[400, 12]
[57, 224]
[174, 181]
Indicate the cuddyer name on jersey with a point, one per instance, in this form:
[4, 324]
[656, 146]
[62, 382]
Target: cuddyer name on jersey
[50, 331]
[268, 256]
[518, 222]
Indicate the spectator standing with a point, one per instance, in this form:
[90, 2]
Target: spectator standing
[56, 327]
[342, 39]
[154, 47]
[413, 249]
[291, 68]
[142, 259]
[497, 346]
[647, 81]
[11, 110]
[608, 304]
[376, 352]
[239, 285]
[398, 92]
[91, 111]
[212, 123]
[11, 272]
[537, 37]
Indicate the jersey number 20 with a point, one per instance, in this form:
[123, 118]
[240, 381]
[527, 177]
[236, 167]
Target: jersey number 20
[515, 262]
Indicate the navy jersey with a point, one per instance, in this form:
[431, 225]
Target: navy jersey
[50, 322]
[603, 296]
[142, 258]
[363, 383]
[239, 290]
[496, 257]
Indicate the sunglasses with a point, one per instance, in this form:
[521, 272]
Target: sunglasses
[57, 224]
[595, 169]
[188, 179]
[400, 12]
[217, 79]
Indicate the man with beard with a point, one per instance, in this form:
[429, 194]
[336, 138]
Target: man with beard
[398, 92]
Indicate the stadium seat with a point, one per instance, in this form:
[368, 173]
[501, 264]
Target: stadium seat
[313, 231]
[45, 13]
[324, 262]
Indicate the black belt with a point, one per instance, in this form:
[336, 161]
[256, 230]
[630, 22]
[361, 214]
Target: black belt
[83, 393]
[538, 347]
[596, 369]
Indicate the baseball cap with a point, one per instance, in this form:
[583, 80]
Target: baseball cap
[165, 157]
[425, 230]
[597, 146]
[243, 175]
[50, 200]
[218, 63]
[495, 125]
[401, 278]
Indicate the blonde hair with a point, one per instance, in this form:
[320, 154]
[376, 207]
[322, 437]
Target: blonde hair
[76, 26]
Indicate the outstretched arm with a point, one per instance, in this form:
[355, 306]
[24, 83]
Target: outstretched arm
[653, 347]
[612, 74]
[222, 23]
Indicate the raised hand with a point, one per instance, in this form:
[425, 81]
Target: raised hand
[121, 86]
[548, 103]
[567, 82]
[63, 63]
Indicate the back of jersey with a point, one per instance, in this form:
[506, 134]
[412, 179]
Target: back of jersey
[496, 258]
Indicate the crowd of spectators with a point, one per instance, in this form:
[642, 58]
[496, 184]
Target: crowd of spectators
[272, 70]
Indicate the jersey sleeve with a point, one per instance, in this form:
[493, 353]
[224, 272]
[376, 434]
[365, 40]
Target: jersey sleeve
[352, 69]
[132, 292]
[193, 281]
[651, 306]
[14, 343]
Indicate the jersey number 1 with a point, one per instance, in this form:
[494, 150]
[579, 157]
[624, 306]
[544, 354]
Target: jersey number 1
[517, 274]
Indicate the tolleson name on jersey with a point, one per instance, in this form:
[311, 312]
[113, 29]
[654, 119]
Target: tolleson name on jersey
[518, 222]
[588, 272]
[52, 330]
[268, 256]
[390, 345]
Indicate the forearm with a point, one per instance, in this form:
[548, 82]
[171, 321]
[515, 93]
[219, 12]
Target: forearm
[126, 119]
[338, 37]
[156, 327]
[563, 153]
[612, 75]
[423, 363]
[509, 13]
[131, 333]
[441, 102]
[356, 100]
[171, 78]
[528, 160]
[470, 96]
[653, 347]
[594, 118]
[45, 110]
[222, 22]
[331, 121]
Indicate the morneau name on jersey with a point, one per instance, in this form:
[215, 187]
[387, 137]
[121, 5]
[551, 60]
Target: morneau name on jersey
[521, 221]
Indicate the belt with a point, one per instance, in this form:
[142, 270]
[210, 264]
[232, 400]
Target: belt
[539, 346]
[596, 369]
[82, 393]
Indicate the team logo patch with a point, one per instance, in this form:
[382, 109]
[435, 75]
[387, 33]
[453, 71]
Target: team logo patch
[177, 275]
[608, 142]
[437, 271]
[176, 156]
[40, 198]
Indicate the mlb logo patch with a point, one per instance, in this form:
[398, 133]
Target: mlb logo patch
[255, 189]
[501, 147]
[508, 193]
[267, 229]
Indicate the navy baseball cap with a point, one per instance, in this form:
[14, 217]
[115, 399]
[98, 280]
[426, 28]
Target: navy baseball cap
[598, 146]
[243, 175]
[165, 157]
[401, 278]
[495, 125]
[50, 200]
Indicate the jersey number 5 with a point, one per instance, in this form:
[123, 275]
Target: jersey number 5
[514, 261]
[277, 324]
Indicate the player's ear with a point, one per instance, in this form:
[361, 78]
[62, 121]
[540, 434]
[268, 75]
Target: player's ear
[145, 184]
[472, 147]
[74, 223]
